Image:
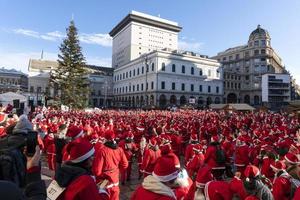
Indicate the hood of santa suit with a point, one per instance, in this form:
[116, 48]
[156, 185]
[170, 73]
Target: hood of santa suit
[152, 184]
[67, 173]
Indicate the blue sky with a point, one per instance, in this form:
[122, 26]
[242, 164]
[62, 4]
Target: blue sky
[29, 26]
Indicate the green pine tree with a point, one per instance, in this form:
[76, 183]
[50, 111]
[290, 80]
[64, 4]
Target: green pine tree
[71, 76]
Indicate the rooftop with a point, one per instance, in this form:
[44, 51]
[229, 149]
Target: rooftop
[143, 18]
[11, 71]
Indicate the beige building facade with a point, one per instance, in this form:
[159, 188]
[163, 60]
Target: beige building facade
[243, 67]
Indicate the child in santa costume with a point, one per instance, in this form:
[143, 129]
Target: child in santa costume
[75, 173]
[152, 153]
[108, 163]
[253, 184]
[130, 149]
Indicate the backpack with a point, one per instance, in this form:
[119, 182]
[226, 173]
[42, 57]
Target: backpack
[12, 166]
[220, 156]
[295, 183]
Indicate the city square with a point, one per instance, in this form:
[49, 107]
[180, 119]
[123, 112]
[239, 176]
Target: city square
[149, 100]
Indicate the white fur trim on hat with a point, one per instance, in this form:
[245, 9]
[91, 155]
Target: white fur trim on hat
[286, 158]
[200, 185]
[79, 135]
[84, 157]
[167, 177]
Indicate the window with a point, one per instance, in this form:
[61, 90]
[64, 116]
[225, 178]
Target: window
[123, 75]
[200, 88]
[200, 72]
[162, 85]
[247, 54]
[152, 66]
[239, 85]
[146, 86]
[256, 52]
[31, 89]
[263, 51]
[163, 67]
[126, 74]
[138, 71]
[126, 88]
[39, 89]
[133, 88]
[183, 69]
[142, 70]
[230, 57]
[217, 89]
[224, 59]
[263, 42]
[256, 43]
[147, 68]
[237, 56]
[192, 70]
[134, 72]
[182, 86]
[142, 86]
[192, 87]
[137, 87]
[130, 88]
[130, 73]
[173, 68]
[208, 89]
[209, 72]
[152, 85]
[173, 86]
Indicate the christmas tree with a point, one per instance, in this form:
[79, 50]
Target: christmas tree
[71, 76]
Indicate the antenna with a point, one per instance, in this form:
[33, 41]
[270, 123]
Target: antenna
[42, 55]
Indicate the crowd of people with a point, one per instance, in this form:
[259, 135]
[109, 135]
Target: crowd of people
[183, 154]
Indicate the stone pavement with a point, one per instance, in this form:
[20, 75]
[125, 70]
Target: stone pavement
[126, 190]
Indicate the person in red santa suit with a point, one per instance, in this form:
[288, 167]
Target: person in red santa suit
[216, 190]
[107, 164]
[189, 152]
[74, 175]
[196, 162]
[163, 182]
[196, 191]
[254, 185]
[281, 185]
[130, 149]
[237, 187]
[49, 147]
[241, 159]
[140, 155]
[152, 153]
[292, 165]
[210, 157]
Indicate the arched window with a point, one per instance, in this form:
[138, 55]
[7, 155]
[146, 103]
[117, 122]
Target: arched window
[192, 70]
[163, 67]
[200, 72]
[183, 69]
[152, 67]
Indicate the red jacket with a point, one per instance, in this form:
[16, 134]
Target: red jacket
[194, 164]
[141, 193]
[82, 188]
[216, 190]
[149, 160]
[242, 155]
[108, 162]
[210, 157]
[281, 188]
[237, 188]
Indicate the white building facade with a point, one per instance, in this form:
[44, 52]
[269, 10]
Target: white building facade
[149, 70]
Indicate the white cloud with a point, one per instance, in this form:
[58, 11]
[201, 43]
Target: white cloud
[96, 38]
[27, 32]
[88, 38]
[190, 46]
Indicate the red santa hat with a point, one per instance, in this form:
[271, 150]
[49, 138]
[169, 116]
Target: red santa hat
[152, 142]
[194, 137]
[109, 135]
[291, 158]
[167, 168]
[79, 150]
[251, 171]
[74, 132]
[204, 175]
[129, 135]
[278, 165]
[215, 138]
